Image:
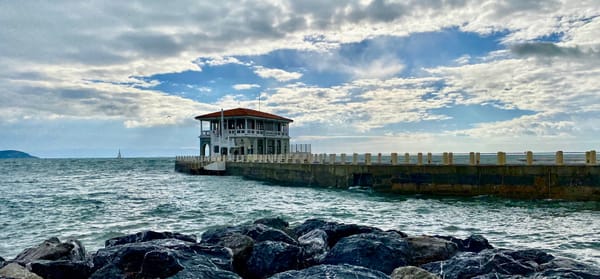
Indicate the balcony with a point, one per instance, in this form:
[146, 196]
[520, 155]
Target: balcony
[245, 133]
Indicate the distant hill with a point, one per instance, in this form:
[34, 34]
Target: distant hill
[7, 154]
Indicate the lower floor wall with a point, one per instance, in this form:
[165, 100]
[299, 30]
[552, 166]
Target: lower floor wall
[571, 182]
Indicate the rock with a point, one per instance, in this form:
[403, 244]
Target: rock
[412, 272]
[159, 264]
[426, 249]
[474, 243]
[314, 247]
[162, 258]
[335, 231]
[258, 232]
[53, 249]
[490, 261]
[276, 223]
[241, 247]
[60, 269]
[342, 271]
[381, 251]
[14, 270]
[2, 262]
[147, 236]
[567, 268]
[270, 257]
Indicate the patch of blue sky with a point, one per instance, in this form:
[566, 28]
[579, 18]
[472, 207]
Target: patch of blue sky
[330, 68]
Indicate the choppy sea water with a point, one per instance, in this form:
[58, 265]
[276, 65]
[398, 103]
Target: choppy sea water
[96, 199]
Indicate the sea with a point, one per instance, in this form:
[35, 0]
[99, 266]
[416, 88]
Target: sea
[93, 200]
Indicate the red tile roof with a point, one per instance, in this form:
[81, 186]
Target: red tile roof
[242, 112]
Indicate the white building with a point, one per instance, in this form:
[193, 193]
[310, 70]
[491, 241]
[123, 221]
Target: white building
[243, 131]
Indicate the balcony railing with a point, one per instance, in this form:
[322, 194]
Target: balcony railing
[246, 133]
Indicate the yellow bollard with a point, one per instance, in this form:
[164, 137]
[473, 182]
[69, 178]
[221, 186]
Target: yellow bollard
[529, 158]
[367, 159]
[394, 158]
[559, 158]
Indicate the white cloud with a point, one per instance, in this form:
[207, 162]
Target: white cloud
[245, 86]
[278, 74]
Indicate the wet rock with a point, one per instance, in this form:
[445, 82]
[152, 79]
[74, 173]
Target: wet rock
[159, 264]
[276, 223]
[14, 270]
[567, 268]
[2, 262]
[60, 269]
[270, 257]
[314, 247]
[335, 231]
[332, 271]
[163, 258]
[412, 272]
[147, 236]
[383, 251]
[490, 261]
[241, 247]
[474, 243]
[258, 232]
[52, 249]
[426, 249]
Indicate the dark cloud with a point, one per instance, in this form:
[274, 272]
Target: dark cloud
[544, 49]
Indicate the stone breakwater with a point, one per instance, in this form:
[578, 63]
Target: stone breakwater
[271, 248]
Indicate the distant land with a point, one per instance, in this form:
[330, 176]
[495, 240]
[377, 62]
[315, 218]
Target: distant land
[9, 154]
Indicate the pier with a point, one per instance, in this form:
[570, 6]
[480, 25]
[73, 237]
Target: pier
[563, 176]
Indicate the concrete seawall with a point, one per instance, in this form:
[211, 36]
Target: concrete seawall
[573, 182]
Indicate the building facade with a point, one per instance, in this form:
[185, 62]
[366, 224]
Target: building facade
[243, 131]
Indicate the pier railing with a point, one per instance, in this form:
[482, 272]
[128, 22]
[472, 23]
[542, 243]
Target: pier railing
[445, 158]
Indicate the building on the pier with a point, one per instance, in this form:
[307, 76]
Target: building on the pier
[243, 131]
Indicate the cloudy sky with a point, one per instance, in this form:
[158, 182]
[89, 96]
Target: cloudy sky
[86, 78]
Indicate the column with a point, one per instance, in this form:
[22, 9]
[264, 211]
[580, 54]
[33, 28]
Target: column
[394, 158]
[429, 158]
[445, 158]
[450, 158]
[529, 158]
[471, 158]
[379, 158]
[332, 159]
[419, 158]
[559, 158]
[354, 158]
[343, 158]
[367, 158]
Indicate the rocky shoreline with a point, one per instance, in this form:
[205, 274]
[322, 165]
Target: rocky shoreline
[271, 248]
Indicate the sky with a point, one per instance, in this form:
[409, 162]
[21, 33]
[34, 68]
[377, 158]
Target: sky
[87, 78]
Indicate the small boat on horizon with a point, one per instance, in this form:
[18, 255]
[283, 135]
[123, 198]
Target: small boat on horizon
[119, 155]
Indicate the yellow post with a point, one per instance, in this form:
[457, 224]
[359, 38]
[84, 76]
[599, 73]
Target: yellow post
[367, 158]
[471, 158]
[355, 158]
[477, 158]
[593, 157]
[529, 158]
[394, 158]
[499, 157]
[379, 158]
[450, 158]
[559, 158]
[419, 158]
[445, 158]
[429, 158]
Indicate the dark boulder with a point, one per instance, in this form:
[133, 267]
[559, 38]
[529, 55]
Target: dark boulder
[335, 231]
[383, 251]
[314, 247]
[270, 257]
[500, 262]
[343, 271]
[147, 236]
[2, 262]
[276, 223]
[426, 249]
[474, 243]
[162, 258]
[241, 247]
[567, 268]
[52, 249]
[60, 269]
[258, 232]
[411, 272]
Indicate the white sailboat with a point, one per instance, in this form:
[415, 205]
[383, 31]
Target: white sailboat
[119, 154]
